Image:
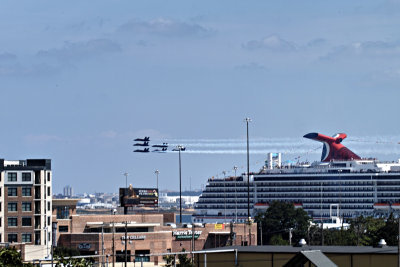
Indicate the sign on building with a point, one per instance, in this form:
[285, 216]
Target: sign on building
[130, 197]
[186, 234]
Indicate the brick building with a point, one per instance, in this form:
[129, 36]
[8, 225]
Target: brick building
[145, 234]
[25, 201]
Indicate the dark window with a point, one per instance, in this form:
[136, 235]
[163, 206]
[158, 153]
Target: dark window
[48, 177]
[26, 221]
[12, 176]
[26, 206]
[27, 238]
[12, 191]
[12, 206]
[12, 221]
[48, 191]
[26, 177]
[26, 191]
[48, 205]
[63, 228]
[63, 212]
[12, 237]
[48, 220]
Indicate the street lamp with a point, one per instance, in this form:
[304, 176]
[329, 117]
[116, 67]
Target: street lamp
[157, 172]
[224, 172]
[126, 191]
[126, 179]
[247, 120]
[235, 169]
[179, 148]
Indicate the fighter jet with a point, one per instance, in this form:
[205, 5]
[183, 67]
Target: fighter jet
[182, 149]
[161, 146]
[163, 150]
[145, 139]
[142, 151]
[142, 144]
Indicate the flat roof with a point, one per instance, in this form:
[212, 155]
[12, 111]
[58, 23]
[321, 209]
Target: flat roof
[119, 225]
[323, 249]
[65, 201]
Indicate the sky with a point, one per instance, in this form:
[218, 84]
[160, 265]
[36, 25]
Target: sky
[80, 80]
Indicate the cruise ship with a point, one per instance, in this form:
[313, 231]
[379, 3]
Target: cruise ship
[341, 185]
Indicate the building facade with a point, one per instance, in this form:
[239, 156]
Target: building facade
[140, 234]
[26, 201]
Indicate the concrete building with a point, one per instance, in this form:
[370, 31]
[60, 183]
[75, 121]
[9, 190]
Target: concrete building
[26, 201]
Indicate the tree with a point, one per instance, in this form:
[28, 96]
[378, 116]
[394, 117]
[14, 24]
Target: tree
[390, 231]
[279, 218]
[11, 257]
[183, 260]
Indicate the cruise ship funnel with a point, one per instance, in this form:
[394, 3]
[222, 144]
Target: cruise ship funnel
[333, 149]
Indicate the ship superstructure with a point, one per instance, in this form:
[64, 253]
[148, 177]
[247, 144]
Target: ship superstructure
[341, 185]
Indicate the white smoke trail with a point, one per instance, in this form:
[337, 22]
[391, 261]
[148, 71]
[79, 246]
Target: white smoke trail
[364, 146]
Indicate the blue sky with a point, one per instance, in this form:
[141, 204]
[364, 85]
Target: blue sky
[81, 79]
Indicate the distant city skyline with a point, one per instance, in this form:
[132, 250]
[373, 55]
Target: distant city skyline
[80, 81]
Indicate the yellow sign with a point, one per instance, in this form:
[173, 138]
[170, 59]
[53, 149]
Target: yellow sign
[219, 226]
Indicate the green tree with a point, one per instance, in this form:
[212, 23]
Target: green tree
[11, 257]
[183, 260]
[390, 231]
[279, 218]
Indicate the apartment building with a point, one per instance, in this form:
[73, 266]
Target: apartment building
[26, 201]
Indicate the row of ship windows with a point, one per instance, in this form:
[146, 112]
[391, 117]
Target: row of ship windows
[300, 183]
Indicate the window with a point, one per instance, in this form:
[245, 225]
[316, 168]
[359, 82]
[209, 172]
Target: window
[26, 221]
[48, 220]
[48, 191]
[12, 206]
[48, 177]
[26, 177]
[48, 205]
[12, 221]
[12, 237]
[12, 176]
[12, 191]
[26, 191]
[27, 238]
[26, 206]
[63, 228]
[63, 212]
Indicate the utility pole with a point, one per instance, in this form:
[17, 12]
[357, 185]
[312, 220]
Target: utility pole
[398, 245]
[157, 172]
[102, 244]
[126, 191]
[126, 243]
[235, 169]
[179, 148]
[113, 244]
[247, 120]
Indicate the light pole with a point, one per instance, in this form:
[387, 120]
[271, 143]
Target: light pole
[126, 179]
[235, 169]
[126, 190]
[157, 172]
[224, 172]
[179, 148]
[247, 120]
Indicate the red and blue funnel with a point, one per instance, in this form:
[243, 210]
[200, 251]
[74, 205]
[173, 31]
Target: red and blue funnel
[333, 149]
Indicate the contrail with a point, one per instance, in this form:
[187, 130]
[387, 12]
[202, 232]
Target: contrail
[364, 146]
